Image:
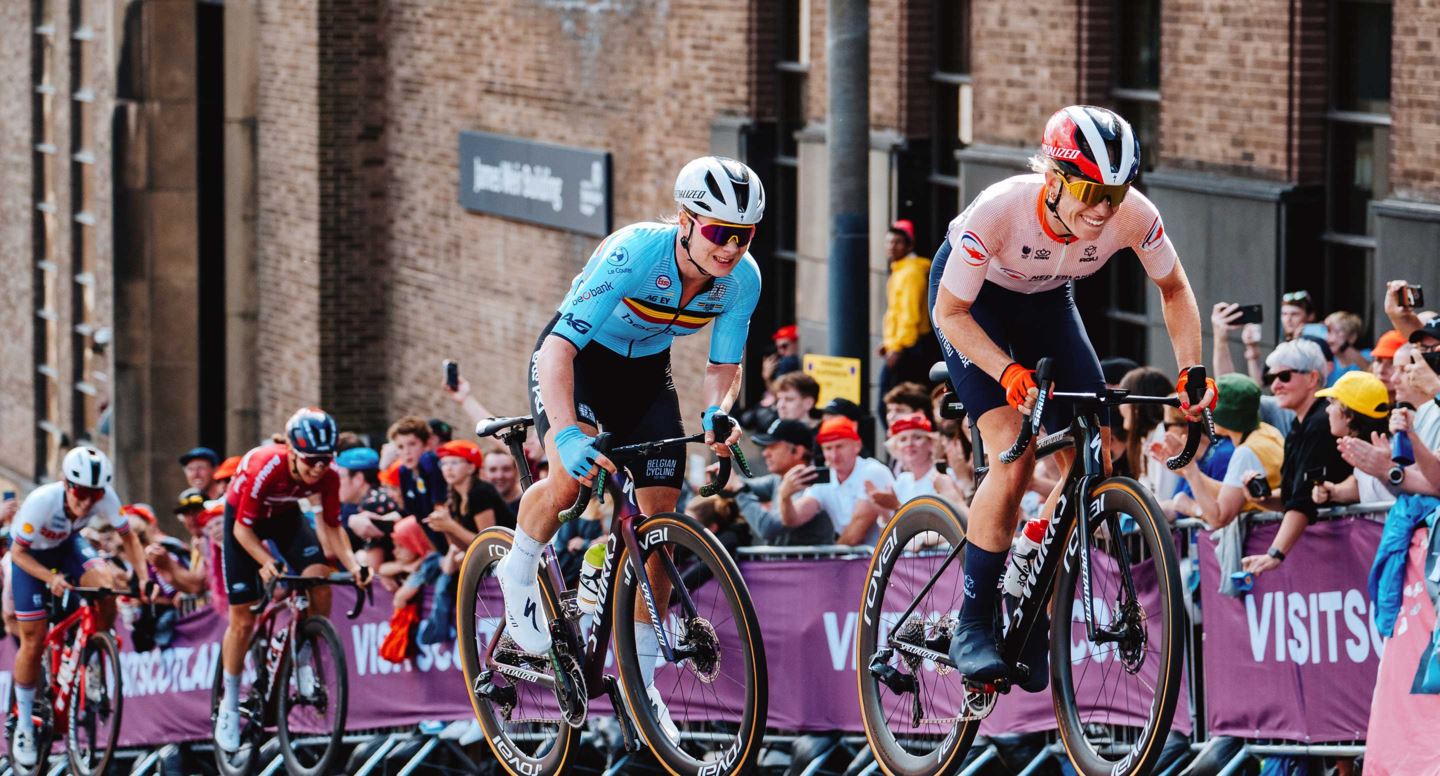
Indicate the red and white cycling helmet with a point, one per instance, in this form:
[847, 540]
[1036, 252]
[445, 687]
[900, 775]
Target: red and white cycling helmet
[1092, 143]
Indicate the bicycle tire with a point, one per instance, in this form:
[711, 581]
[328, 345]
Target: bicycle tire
[83, 758]
[933, 750]
[521, 751]
[246, 760]
[692, 757]
[1083, 717]
[44, 729]
[332, 691]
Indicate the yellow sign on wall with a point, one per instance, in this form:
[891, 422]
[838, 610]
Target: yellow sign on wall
[838, 376]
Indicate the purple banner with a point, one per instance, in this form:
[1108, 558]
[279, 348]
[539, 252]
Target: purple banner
[1295, 659]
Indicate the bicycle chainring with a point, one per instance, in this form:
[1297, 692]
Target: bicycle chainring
[704, 645]
[571, 694]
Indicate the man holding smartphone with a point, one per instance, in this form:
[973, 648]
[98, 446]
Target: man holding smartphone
[843, 497]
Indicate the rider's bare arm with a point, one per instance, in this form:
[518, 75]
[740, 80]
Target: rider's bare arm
[952, 315]
[23, 560]
[135, 554]
[1182, 316]
[557, 380]
[248, 539]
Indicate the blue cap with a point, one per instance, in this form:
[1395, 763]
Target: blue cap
[358, 459]
[201, 452]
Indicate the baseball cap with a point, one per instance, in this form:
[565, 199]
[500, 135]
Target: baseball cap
[1388, 343]
[913, 422]
[1361, 392]
[786, 333]
[906, 227]
[358, 459]
[201, 452]
[190, 498]
[1238, 407]
[1322, 344]
[792, 431]
[845, 407]
[835, 429]
[441, 429]
[143, 511]
[227, 468]
[1431, 329]
[462, 448]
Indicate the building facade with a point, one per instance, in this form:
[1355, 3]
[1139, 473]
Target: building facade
[217, 212]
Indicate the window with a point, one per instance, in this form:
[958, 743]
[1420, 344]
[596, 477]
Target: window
[950, 120]
[1357, 150]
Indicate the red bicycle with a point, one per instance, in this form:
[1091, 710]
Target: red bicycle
[80, 694]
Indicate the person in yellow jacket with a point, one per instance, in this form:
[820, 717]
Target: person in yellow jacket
[908, 347]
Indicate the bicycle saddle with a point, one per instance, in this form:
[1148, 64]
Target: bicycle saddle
[493, 426]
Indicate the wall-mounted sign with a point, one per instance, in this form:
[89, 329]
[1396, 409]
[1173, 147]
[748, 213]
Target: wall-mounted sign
[567, 188]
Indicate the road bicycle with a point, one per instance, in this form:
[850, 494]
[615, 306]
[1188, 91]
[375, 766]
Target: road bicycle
[712, 677]
[1107, 560]
[79, 697]
[306, 708]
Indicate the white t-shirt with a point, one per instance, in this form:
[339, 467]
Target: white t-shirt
[1372, 489]
[908, 487]
[1242, 460]
[42, 523]
[1158, 477]
[838, 499]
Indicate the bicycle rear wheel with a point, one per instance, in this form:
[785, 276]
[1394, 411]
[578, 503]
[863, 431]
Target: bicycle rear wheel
[312, 698]
[44, 729]
[1115, 699]
[96, 703]
[919, 718]
[522, 721]
[716, 694]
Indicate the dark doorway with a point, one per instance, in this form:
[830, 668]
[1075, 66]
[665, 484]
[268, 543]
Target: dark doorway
[210, 167]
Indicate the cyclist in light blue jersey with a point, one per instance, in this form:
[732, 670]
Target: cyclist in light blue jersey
[604, 361]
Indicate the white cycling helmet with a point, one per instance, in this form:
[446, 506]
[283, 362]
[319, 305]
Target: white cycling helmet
[721, 188]
[87, 467]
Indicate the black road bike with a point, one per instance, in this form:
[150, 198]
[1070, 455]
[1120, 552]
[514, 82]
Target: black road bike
[1107, 560]
[307, 708]
[713, 681]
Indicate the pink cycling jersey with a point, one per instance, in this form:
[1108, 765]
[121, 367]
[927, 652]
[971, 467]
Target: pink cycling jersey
[1003, 238]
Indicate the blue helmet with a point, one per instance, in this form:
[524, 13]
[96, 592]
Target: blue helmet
[312, 431]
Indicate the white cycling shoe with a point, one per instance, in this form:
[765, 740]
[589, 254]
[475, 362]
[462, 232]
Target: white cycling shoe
[525, 619]
[94, 683]
[662, 715]
[227, 730]
[23, 747]
[305, 680]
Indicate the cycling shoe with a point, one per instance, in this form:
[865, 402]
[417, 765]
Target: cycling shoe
[1036, 655]
[975, 654]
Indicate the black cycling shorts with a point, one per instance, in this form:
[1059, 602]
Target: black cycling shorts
[1028, 327]
[631, 398]
[293, 537]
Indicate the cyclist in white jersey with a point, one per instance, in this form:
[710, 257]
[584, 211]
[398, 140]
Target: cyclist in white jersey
[49, 554]
[1005, 299]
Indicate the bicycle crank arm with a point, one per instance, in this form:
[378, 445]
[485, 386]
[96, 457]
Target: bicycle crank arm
[629, 736]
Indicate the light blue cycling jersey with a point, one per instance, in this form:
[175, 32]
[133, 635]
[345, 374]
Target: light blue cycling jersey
[627, 298]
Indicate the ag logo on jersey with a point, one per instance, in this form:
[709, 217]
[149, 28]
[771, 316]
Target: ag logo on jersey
[974, 251]
[1154, 237]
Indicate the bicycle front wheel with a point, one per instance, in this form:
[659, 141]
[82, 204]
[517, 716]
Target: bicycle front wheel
[1115, 696]
[96, 702]
[919, 718]
[713, 700]
[312, 698]
[522, 720]
[44, 729]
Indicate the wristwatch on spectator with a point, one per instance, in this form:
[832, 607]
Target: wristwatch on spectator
[1396, 475]
[1276, 554]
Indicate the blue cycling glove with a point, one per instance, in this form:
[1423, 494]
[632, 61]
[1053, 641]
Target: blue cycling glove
[707, 420]
[577, 451]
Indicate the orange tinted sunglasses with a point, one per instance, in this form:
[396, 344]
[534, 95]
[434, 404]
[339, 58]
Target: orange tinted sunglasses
[1091, 193]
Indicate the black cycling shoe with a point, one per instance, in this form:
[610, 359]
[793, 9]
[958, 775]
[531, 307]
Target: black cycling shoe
[974, 652]
[1036, 656]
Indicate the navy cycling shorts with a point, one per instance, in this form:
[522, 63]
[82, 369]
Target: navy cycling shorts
[289, 532]
[72, 557]
[1028, 327]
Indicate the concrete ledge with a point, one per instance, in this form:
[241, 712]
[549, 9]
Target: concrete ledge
[1407, 209]
[880, 139]
[1221, 185]
[1000, 156]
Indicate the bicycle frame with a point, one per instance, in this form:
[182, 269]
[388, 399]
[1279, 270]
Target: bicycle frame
[62, 665]
[278, 641]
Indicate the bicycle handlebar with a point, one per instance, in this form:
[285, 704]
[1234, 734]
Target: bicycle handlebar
[1031, 424]
[363, 595]
[723, 425]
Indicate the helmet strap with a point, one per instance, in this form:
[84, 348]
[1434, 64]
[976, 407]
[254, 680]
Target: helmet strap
[685, 243]
[1053, 206]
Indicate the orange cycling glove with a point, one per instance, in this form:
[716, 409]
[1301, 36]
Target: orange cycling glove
[1017, 382]
[1185, 397]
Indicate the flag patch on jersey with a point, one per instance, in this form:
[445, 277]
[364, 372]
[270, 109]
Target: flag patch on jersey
[973, 249]
[660, 314]
[1154, 237]
[1013, 274]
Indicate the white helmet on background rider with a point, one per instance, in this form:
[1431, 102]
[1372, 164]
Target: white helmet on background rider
[87, 467]
[721, 188]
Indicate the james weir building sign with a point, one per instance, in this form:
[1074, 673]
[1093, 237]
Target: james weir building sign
[567, 188]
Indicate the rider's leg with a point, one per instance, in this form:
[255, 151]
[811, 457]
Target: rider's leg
[27, 669]
[652, 501]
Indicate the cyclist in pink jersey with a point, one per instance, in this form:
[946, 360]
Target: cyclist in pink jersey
[1002, 298]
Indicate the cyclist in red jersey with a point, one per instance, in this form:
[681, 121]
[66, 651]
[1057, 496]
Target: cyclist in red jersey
[262, 503]
[1009, 301]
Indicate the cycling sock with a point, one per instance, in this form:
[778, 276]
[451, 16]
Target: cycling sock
[524, 557]
[647, 650]
[232, 692]
[982, 574]
[303, 657]
[25, 707]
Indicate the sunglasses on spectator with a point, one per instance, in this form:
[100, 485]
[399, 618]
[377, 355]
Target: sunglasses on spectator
[1284, 375]
[87, 494]
[1091, 193]
[1296, 296]
[316, 461]
[722, 233]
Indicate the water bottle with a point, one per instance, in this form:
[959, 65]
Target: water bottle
[1401, 453]
[1022, 556]
[588, 594]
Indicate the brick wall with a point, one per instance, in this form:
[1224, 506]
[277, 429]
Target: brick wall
[1024, 64]
[1415, 100]
[17, 410]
